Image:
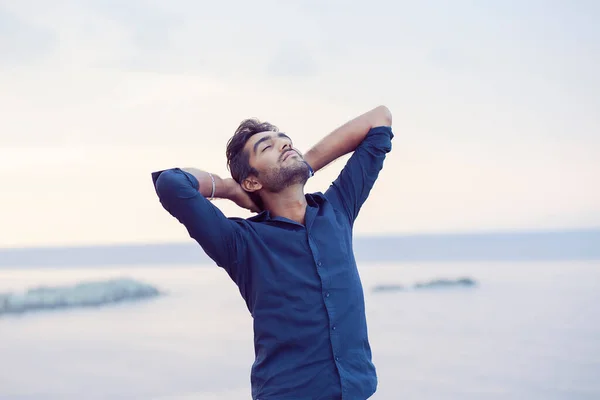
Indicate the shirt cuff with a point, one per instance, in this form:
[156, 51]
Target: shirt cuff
[381, 130]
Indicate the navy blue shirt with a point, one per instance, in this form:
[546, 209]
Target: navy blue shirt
[299, 282]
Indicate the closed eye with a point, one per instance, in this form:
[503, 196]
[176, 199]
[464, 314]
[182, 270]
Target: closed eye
[266, 147]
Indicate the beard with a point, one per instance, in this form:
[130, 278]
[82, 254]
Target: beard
[278, 179]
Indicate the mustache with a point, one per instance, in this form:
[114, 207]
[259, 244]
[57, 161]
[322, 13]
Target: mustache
[283, 155]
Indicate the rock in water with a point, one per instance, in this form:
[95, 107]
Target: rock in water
[85, 294]
[432, 284]
[388, 288]
[442, 283]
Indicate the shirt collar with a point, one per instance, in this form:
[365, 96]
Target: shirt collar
[312, 199]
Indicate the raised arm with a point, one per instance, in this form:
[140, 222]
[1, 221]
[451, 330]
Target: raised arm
[183, 192]
[347, 137]
[224, 188]
[369, 137]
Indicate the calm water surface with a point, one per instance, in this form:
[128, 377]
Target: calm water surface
[527, 331]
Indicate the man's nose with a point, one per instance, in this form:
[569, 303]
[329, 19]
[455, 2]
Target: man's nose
[285, 145]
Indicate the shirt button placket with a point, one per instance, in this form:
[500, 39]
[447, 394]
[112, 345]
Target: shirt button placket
[319, 265]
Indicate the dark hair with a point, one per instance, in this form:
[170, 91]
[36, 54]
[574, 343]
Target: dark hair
[238, 160]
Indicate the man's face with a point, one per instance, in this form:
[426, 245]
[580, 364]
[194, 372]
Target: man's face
[278, 163]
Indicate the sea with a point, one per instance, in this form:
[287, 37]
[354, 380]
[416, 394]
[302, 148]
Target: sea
[528, 330]
[524, 330]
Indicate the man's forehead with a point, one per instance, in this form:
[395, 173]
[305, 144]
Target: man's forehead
[266, 135]
[262, 137]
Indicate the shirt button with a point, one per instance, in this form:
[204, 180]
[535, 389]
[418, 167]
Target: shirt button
[333, 328]
[337, 359]
[327, 294]
[319, 263]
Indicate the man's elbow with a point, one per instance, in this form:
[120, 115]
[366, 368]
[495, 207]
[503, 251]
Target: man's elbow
[381, 116]
[172, 183]
[163, 182]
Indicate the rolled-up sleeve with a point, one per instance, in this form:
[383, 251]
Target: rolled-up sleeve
[220, 237]
[351, 188]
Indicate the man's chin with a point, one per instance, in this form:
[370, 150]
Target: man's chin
[300, 175]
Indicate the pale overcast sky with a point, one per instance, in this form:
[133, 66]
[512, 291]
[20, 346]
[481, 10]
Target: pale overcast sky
[496, 108]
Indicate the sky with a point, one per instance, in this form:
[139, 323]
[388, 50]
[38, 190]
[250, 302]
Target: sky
[495, 108]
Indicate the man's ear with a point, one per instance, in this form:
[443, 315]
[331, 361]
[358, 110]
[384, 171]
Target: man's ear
[251, 184]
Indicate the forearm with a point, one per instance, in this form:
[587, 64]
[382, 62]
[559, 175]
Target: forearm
[223, 187]
[347, 137]
[176, 184]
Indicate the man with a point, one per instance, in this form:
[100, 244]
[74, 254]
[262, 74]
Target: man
[292, 262]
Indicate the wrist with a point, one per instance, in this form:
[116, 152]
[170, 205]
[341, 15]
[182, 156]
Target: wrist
[312, 158]
[230, 189]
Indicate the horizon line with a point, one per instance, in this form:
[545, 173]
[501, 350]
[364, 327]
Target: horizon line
[498, 233]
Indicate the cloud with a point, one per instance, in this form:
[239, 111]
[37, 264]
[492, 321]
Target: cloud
[292, 60]
[495, 110]
[23, 43]
[14, 159]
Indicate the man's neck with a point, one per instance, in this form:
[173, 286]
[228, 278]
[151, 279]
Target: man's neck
[289, 203]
